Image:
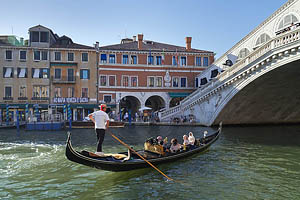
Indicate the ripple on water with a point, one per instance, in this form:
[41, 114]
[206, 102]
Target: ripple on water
[238, 166]
[16, 157]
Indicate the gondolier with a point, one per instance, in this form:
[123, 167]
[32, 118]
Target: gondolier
[101, 121]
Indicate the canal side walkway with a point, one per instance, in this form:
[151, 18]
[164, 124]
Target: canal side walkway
[88, 125]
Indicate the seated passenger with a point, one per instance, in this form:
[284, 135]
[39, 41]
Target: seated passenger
[204, 134]
[191, 139]
[166, 140]
[175, 146]
[160, 140]
[185, 140]
[186, 143]
[203, 140]
[165, 144]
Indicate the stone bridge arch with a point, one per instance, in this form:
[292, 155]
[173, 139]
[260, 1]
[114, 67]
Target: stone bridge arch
[269, 95]
[255, 90]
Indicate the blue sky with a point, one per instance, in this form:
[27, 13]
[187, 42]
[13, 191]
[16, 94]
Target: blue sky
[214, 25]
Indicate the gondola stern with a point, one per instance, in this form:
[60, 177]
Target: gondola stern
[69, 136]
[69, 148]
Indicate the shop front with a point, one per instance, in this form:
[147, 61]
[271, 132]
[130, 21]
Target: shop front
[8, 112]
[80, 107]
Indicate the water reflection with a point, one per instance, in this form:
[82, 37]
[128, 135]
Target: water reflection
[245, 163]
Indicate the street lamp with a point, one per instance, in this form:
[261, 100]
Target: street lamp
[120, 114]
[97, 72]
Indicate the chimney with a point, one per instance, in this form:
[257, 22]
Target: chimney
[188, 41]
[97, 45]
[134, 38]
[140, 41]
[22, 41]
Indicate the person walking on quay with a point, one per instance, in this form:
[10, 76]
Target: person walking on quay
[101, 121]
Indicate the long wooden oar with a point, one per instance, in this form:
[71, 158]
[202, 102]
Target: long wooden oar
[126, 145]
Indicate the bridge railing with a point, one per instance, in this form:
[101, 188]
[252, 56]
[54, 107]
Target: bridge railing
[287, 38]
[276, 42]
[272, 44]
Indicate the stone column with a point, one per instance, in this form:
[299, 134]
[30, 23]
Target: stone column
[30, 114]
[15, 115]
[74, 114]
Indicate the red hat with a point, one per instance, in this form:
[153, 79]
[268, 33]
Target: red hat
[102, 106]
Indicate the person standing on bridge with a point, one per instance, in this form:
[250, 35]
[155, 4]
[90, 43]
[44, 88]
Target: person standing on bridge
[101, 121]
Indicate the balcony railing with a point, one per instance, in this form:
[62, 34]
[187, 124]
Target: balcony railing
[8, 98]
[40, 98]
[112, 101]
[22, 98]
[64, 79]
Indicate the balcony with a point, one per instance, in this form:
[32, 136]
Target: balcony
[22, 98]
[8, 98]
[40, 98]
[64, 79]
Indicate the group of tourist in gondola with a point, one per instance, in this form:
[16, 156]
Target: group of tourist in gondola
[188, 143]
[161, 146]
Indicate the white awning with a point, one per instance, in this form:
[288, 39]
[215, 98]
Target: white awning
[22, 73]
[36, 73]
[145, 108]
[8, 73]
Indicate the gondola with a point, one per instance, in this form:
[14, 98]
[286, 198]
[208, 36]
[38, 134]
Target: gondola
[116, 162]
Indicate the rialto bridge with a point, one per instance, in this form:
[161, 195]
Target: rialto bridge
[263, 84]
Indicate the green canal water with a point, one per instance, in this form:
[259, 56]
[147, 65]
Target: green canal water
[245, 163]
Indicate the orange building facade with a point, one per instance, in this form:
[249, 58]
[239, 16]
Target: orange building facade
[141, 73]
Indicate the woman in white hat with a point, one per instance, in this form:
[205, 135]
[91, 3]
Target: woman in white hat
[204, 134]
[191, 138]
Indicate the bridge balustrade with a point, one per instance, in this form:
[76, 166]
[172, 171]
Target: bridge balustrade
[234, 70]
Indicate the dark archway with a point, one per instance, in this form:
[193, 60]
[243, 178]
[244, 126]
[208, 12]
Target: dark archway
[273, 98]
[129, 103]
[175, 101]
[155, 102]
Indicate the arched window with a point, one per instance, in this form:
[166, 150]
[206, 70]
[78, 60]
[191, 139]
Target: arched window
[243, 53]
[262, 39]
[287, 20]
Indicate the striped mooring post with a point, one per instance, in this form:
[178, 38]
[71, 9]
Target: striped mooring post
[129, 116]
[26, 111]
[65, 111]
[18, 123]
[7, 114]
[1, 114]
[70, 116]
[36, 112]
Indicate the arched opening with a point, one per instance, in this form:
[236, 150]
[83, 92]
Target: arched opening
[262, 39]
[175, 101]
[129, 104]
[155, 102]
[243, 53]
[287, 21]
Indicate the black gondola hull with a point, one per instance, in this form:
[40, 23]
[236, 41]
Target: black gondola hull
[78, 157]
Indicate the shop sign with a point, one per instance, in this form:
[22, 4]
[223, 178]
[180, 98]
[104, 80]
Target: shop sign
[13, 107]
[70, 100]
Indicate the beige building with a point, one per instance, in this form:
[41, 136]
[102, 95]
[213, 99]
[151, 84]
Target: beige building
[47, 70]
